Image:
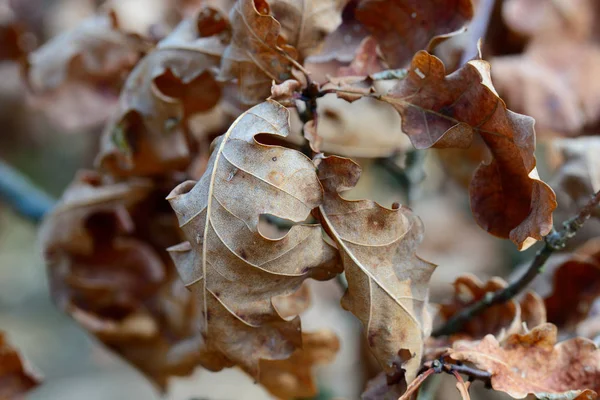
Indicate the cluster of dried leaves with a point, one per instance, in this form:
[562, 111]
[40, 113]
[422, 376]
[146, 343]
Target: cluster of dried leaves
[120, 259]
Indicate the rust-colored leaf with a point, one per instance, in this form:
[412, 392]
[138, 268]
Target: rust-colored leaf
[12, 36]
[306, 23]
[76, 76]
[576, 287]
[507, 197]
[387, 281]
[232, 269]
[17, 377]
[147, 135]
[293, 377]
[500, 319]
[257, 54]
[533, 363]
[366, 61]
[404, 27]
[104, 246]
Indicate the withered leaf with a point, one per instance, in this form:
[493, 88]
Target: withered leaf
[257, 54]
[232, 269]
[404, 27]
[533, 363]
[340, 45]
[574, 19]
[500, 319]
[387, 281]
[553, 81]
[76, 76]
[576, 287]
[12, 35]
[104, 246]
[16, 375]
[366, 61]
[66, 228]
[148, 133]
[507, 197]
[306, 23]
[292, 378]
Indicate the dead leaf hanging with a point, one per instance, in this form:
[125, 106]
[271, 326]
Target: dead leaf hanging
[257, 54]
[507, 197]
[533, 363]
[404, 27]
[148, 133]
[387, 281]
[232, 269]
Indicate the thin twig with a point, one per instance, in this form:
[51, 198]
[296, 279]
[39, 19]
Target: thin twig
[556, 240]
[22, 195]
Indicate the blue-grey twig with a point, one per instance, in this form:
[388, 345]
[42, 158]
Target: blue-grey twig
[22, 195]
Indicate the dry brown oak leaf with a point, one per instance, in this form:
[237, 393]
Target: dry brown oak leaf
[232, 269]
[76, 76]
[306, 23]
[387, 281]
[292, 378]
[403, 27]
[147, 135]
[258, 53]
[16, 375]
[507, 197]
[533, 363]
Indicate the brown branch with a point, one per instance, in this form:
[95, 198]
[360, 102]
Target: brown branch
[554, 241]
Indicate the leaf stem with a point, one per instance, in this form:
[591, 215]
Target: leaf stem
[555, 240]
[22, 195]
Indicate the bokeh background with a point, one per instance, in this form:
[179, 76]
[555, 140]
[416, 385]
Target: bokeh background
[48, 150]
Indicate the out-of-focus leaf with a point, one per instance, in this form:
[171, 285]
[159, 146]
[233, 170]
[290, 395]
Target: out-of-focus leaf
[576, 287]
[76, 76]
[258, 53]
[555, 81]
[306, 23]
[498, 320]
[293, 377]
[232, 269]
[147, 135]
[12, 35]
[573, 18]
[17, 377]
[533, 363]
[104, 246]
[404, 27]
[387, 281]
